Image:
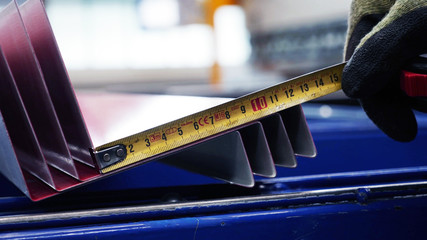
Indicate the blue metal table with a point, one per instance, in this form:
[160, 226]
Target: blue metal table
[362, 185]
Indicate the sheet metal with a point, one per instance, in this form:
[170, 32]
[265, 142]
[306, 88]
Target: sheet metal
[25, 146]
[257, 149]
[278, 141]
[29, 80]
[365, 213]
[52, 147]
[56, 78]
[342, 221]
[298, 132]
[222, 157]
[358, 195]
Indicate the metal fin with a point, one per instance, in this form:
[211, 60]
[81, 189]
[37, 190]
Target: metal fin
[24, 67]
[257, 150]
[18, 142]
[298, 132]
[222, 157]
[278, 141]
[55, 76]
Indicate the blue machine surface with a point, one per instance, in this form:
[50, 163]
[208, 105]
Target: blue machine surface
[362, 185]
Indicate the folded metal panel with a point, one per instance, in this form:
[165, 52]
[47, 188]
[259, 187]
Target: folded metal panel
[298, 132]
[278, 141]
[56, 78]
[25, 146]
[29, 80]
[222, 157]
[45, 145]
[257, 149]
[9, 165]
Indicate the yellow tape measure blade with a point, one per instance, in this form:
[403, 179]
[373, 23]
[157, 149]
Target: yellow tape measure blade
[142, 146]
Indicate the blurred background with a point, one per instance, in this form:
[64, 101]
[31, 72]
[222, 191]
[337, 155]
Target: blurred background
[196, 47]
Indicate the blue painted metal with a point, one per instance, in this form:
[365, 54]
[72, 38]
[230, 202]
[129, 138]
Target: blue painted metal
[352, 153]
[386, 219]
[347, 141]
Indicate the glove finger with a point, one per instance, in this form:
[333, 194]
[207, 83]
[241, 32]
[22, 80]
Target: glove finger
[391, 112]
[364, 15]
[363, 27]
[383, 55]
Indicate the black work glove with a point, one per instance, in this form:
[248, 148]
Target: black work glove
[383, 36]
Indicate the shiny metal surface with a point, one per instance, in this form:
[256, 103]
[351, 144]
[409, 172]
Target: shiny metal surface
[18, 135]
[278, 141]
[257, 149]
[29, 79]
[57, 82]
[221, 157]
[357, 192]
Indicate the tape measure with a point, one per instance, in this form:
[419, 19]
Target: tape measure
[145, 146]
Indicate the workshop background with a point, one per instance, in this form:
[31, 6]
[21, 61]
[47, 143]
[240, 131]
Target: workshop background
[361, 185]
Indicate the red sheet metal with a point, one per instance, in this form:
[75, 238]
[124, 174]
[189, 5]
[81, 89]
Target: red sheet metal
[50, 140]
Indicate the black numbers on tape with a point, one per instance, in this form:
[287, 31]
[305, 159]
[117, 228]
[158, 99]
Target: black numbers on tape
[196, 126]
[131, 148]
[319, 82]
[147, 142]
[180, 132]
[274, 98]
[164, 137]
[289, 93]
[227, 115]
[333, 78]
[243, 109]
[304, 87]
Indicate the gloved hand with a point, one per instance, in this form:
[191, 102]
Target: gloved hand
[382, 36]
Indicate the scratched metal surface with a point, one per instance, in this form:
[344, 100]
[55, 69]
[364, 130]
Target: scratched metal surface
[370, 210]
[395, 219]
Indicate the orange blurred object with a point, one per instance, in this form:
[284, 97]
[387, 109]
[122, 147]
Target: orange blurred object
[210, 7]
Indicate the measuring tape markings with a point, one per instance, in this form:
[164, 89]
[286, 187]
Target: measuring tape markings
[226, 116]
